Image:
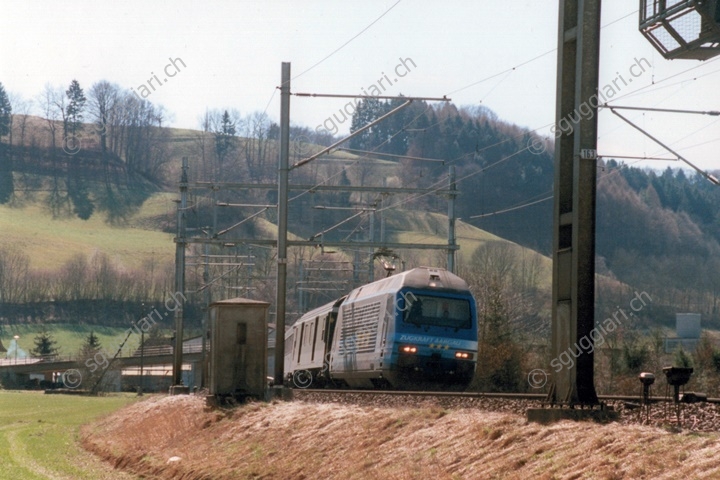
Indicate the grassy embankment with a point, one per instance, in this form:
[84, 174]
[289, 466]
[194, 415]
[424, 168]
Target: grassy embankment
[178, 437]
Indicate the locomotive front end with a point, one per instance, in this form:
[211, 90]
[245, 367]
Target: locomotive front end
[435, 340]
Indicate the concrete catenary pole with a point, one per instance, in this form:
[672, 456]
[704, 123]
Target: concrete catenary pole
[282, 224]
[451, 220]
[573, 307]
[180, 275]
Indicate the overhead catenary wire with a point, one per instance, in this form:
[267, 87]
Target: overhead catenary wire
[348, 42]
[630, 157]
[304, 161]
[695, 145]
[668, 110]
[351, 150]
[691, 134]
[481, 170]
[419, 196]
[652, 86]
[323, 182]
[657, 152]
[444, 180]
[441, 183]
[526, 62]
[342, 222]
[510, 209]
[507, 71]
[223, 232]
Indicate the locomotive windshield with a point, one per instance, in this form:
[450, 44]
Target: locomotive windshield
[437, 311]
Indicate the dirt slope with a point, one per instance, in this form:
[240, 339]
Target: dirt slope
[300, 440]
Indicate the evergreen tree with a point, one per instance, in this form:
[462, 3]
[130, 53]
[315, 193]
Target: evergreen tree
[78, 191]
[92, 343]
[682, 359]
[224, 140]
[223, 135]
[79, 194]
[44, 344]
[7, 187]
[368, 110]
[5, 112]
[92, 361]
[75, 107]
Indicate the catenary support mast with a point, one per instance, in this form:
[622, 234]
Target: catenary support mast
[573, 302]
[282, 223]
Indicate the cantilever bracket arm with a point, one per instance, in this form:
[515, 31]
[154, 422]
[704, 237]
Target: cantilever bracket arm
[355, 133]
[338, 224]
[680, 157]
[223, 232]
[713, 113]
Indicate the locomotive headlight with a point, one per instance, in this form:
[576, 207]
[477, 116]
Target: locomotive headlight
[408, 349]
[464, 355]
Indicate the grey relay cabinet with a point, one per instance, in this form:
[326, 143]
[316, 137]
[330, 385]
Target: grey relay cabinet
[238, 348]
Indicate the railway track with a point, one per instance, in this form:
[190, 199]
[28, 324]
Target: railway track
[699, 417]
[516, 396]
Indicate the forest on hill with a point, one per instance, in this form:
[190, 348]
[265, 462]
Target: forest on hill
[656, 231]
[661, 232]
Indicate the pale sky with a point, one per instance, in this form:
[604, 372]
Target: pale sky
[228, 54]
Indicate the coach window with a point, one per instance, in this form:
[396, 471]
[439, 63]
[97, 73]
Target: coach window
[314, 342]
[300, 343]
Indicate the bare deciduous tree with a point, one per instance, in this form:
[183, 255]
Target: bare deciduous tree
[14, 268]
[51, 102]
[505, 281]
[21, 111]
[103, 99]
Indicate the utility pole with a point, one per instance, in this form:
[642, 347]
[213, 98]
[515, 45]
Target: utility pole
[142, 352]
[206, 314]
[371, 238]
[283, 169]
[451, 220]
[180, 279]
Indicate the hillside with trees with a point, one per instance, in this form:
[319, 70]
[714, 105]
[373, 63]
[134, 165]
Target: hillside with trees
[659, 232]
[102, 152]
[656, 231]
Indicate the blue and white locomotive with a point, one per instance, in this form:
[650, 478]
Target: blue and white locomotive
[416, 329]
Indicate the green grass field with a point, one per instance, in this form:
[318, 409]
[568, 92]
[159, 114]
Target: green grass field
[39, 435]
[69, 337]
[424, 227]
[50, 242]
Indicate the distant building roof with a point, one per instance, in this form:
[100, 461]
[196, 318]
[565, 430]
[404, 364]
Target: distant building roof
[239, 301]
[165, 346]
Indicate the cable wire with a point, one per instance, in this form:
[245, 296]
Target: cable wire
[346, 43]
[510, 209]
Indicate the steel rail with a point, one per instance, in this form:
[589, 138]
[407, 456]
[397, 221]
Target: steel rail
[510, 396]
